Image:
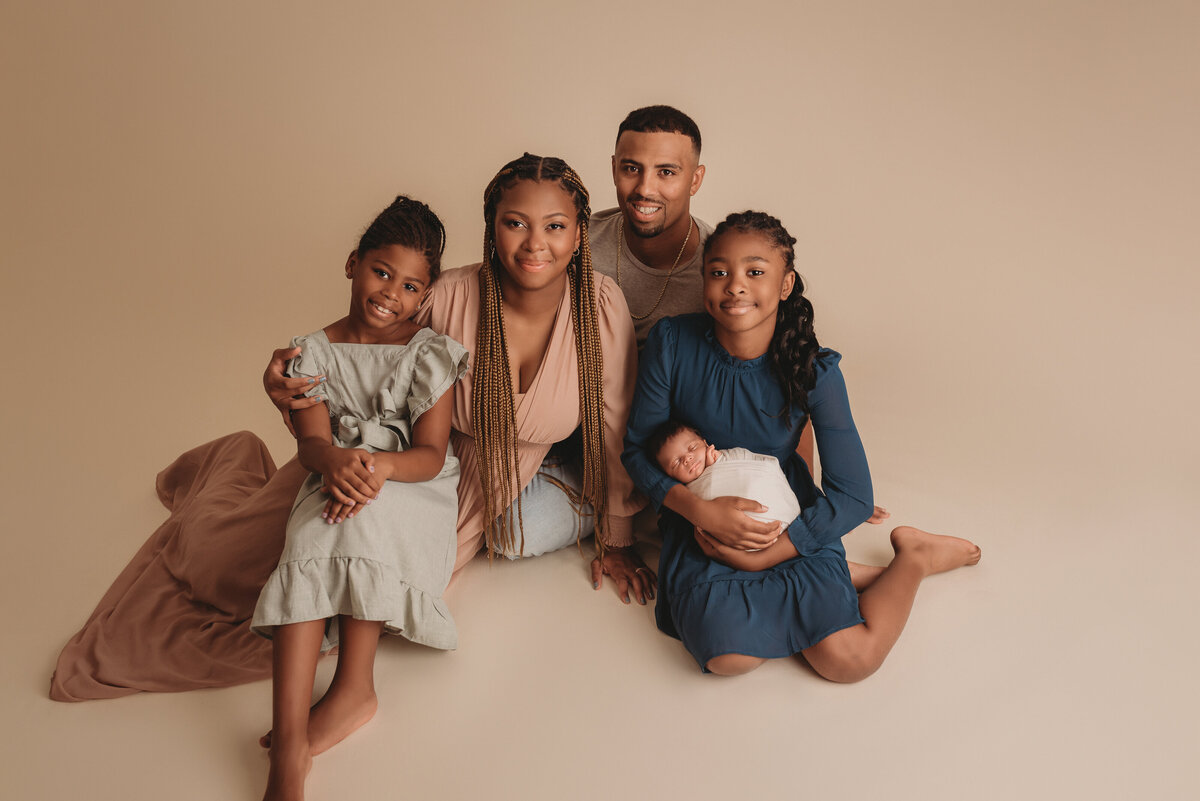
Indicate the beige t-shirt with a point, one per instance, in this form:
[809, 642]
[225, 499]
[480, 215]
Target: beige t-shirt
[640, 284]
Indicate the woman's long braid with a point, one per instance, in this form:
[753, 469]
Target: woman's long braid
[492, 403]
[794, 345]
[492, 409]
[591, 363]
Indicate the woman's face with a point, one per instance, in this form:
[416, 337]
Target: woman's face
[745, 277]
[536, 234]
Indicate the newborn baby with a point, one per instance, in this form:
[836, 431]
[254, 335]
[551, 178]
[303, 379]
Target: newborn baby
[709, 473]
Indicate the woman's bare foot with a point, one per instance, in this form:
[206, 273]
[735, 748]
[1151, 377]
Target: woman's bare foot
[862, 576]
[285, 782]
[938, 552]
[335, 717]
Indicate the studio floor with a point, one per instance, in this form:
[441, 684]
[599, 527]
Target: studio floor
[1053, 669]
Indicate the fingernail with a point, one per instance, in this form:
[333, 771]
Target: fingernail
[368, 501]
[322, 379]
[625, 599]
[324, 514]
[371, 468]
[310, 380]
[595, 585]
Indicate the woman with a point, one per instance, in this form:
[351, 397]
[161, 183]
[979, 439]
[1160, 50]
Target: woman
[553, 350]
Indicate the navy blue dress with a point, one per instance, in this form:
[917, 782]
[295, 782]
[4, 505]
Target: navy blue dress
[715, 609]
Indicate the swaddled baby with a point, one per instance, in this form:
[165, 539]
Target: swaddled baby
[709, 473]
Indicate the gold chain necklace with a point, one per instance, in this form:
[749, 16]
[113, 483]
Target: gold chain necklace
[663, 291]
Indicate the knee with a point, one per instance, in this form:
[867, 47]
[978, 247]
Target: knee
[841, 665]
[733, 664]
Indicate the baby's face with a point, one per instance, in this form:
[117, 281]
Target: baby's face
[684, 456]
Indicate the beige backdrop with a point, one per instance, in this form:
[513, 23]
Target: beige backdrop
[996, 205]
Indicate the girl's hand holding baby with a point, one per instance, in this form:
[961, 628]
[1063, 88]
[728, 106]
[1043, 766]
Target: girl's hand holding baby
[778, 551]
[724, 520]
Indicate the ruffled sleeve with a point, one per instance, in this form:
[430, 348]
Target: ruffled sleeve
[619, 346]
[313, 356]
[440, 361]
[845, 499]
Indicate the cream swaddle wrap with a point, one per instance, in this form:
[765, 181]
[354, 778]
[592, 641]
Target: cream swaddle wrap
[746, 474]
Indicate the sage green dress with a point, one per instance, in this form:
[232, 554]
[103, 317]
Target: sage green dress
[391, 561]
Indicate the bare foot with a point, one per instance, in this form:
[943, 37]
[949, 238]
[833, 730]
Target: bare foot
[938, 552]
[334, 718]
[863, 576]
[285, 782]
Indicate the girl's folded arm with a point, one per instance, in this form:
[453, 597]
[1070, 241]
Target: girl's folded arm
[424, 460]
[314, 436]
[845, 499]
[651, 408]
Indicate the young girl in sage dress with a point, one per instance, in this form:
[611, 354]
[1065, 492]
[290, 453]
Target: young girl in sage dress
[749, 373]
[371, 537]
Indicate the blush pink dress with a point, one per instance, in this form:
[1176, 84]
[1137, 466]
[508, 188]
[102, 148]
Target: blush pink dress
[549, 411]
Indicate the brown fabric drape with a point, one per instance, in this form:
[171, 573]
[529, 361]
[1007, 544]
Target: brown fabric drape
[177, 617]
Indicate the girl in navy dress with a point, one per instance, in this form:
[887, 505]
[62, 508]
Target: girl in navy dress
[748, 374]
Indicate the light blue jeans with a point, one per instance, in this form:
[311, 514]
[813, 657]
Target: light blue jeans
[552, 521]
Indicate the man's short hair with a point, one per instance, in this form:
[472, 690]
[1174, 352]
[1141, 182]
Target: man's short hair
[661, 119]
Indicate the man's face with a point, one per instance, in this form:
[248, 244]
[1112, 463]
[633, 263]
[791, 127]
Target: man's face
[656, 175]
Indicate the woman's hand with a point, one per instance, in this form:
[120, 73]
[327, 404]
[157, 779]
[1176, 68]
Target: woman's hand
[878, 516]
[287, 393]
[724, 520]
[779, 551]
[629, 572]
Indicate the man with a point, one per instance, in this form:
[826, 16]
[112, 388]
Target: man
[650, 244]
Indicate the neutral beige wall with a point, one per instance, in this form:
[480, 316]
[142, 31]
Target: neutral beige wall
[993, 200]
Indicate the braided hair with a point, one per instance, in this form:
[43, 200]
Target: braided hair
[492, 408]
[794, 344]
[409, 223]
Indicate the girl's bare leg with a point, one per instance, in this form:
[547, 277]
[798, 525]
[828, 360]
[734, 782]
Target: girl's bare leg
[296, 648]
[733, 664]
[350, 700]
[862, 576]
[853, 654]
